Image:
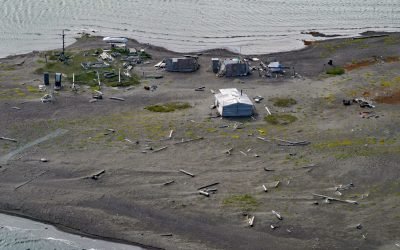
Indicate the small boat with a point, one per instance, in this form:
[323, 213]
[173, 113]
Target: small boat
[115, 39]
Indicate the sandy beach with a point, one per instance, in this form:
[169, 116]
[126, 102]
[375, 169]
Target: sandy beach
[353, 153]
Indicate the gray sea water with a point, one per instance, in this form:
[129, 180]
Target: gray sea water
[22, 234]
[246, 26]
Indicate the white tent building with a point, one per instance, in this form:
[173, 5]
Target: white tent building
[231, 102]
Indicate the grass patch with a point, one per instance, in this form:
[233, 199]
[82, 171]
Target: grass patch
[7, 67]
[283, 102]
[335, 71]
[359, 64]
[168, 107]
[390, 40]
[32, 89]
[280, 119]
[245, 202]
[144, 55]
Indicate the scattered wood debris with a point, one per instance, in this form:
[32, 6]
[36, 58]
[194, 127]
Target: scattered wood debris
[276, 184]
[328, 198]
[211, 190]
[160, 149]
[96, 176]
[265, 188]
[310, 167]
[251, 221]
[166, 235]
[292, 143]
[190, 140]
[368, 114]
[7, 139]
[258, 99]
[277, 215]
[237, 126]
[117, 99]
[342, 187]
[263, 139]
[200, 88]
[273, 227]
[268, 169]
[209, 185]
[269, 112]
[168, 183]
[185, 172]
[204, 193]
[126, 139]
[170, 134]
[243, 153]
[229, 151]
[29, 181]
[364, 103]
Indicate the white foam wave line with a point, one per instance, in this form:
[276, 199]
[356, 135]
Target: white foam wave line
[67, 242]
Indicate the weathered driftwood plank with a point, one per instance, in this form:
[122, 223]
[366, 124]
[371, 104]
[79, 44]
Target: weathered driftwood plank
[29, 181]
[7, 139]
[186, 172]
[209, 185]
[190, 140]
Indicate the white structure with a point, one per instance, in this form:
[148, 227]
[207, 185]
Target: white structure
[108, 39]
[275, 67]
[232, 102]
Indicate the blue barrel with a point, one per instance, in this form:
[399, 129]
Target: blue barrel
[46, 78]
[57, 83]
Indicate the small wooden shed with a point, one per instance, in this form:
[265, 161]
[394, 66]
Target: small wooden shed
[182, 64]
[233, 68]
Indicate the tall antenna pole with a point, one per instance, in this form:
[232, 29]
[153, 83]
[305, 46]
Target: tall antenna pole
[63, 42]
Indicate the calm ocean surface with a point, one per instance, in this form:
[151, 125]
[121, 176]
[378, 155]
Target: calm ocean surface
[22, 234]
[247, 26]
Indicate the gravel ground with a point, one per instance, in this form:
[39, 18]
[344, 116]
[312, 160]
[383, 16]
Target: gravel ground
[129, 202]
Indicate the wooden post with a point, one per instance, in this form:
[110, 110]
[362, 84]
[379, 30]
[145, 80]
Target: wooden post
[98, 79]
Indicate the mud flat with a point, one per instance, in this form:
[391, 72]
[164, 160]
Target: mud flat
[116, 173]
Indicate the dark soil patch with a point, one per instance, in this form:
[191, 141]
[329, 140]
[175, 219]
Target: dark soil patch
[394, 98]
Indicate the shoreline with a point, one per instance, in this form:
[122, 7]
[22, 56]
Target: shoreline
[74, 231]
[224, 51]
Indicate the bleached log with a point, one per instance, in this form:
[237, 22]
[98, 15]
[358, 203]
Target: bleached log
[117, 99]
[185, 172]
[277, 215]
[8, 139]
[204, 193]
